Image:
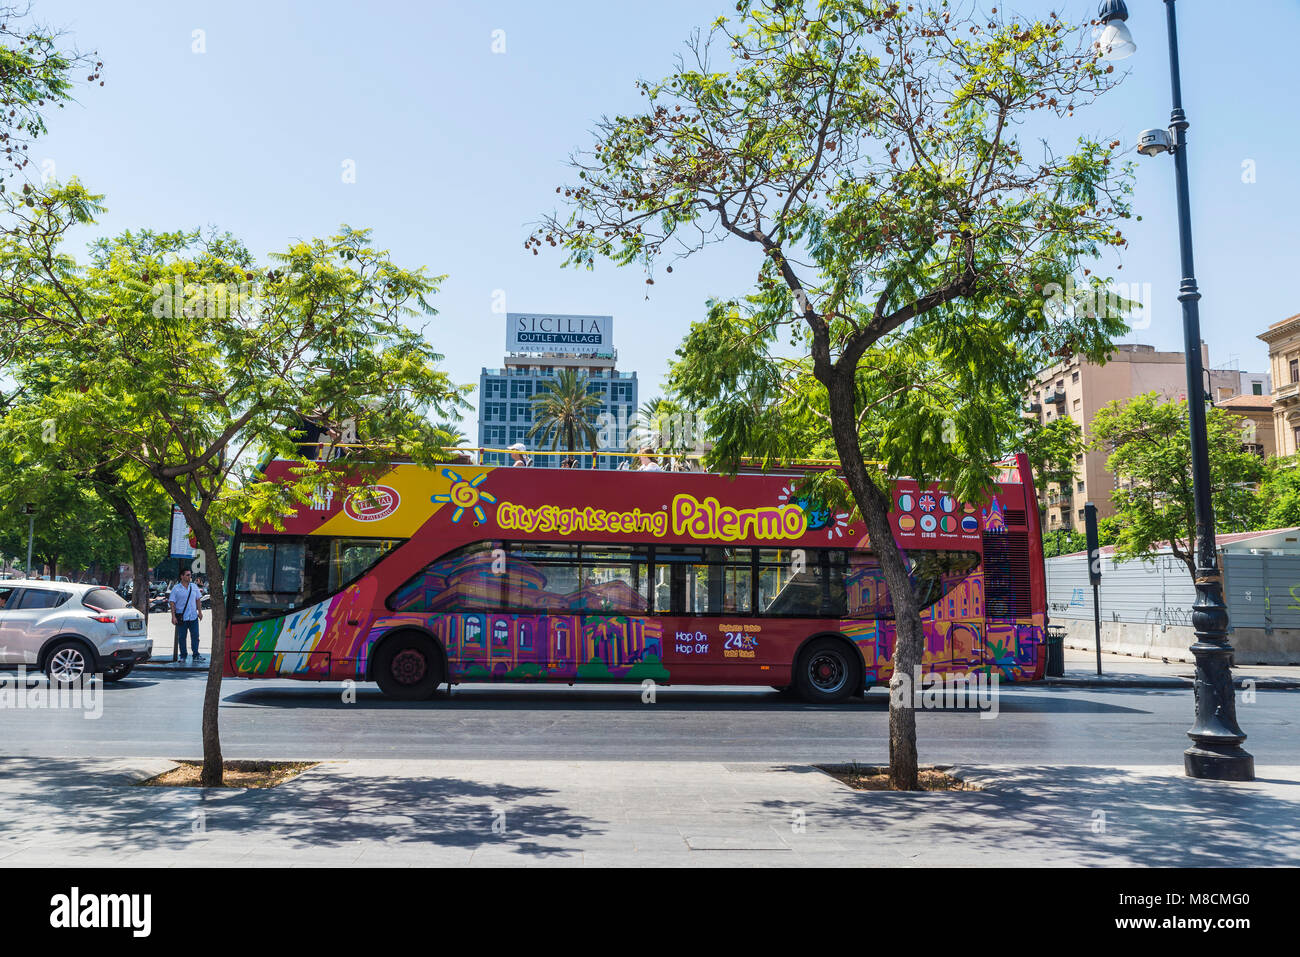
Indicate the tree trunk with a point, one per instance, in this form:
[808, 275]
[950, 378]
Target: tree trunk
[211, 776]
[135, 538]
[909, 634]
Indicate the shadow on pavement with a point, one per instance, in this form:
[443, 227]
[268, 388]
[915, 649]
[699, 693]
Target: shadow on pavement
[1077, 816]
[57, 802]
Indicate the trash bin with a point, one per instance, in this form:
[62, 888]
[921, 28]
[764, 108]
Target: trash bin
[1055, 651]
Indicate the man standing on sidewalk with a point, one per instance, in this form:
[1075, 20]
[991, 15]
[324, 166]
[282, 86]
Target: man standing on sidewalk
[186, 614]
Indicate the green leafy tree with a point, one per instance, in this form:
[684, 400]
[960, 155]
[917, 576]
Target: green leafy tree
[74, 528]
[450, 435]
[565, 410]
[914, 263]
[37, 72]
[191, 360]
[27, 439]
[1151, 459]
[1053, 450]
[664, 424]
[1279, 495]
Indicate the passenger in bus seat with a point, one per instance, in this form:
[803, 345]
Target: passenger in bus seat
[644, 463]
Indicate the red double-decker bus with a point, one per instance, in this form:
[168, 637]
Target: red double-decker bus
[465, 573]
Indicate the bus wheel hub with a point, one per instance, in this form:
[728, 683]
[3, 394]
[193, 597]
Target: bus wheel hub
[408, 666]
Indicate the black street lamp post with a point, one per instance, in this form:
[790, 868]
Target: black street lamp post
[1216, 750]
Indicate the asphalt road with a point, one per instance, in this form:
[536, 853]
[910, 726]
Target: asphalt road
[155, 713]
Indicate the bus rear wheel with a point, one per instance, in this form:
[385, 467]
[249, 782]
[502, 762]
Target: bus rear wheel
[408, 667]
[827, 672]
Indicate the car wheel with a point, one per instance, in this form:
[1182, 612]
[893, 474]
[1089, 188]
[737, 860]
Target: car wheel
[408, 667]
[827, 672]
[118, 673]
[67, 663]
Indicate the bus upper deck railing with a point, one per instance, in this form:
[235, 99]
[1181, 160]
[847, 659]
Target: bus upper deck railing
[689, 460]
[682, 461]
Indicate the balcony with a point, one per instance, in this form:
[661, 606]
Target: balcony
[1055, 397]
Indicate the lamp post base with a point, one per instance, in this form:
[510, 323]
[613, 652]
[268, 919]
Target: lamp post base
[1227, 763]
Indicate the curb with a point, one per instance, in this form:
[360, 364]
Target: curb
[168, 665]
[1162, 681]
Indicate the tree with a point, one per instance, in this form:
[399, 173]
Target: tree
[1151, 459]
[35, 74]
[1279, 495]
[915, 266]
[1066, 541]
[450, 435]
[191, 360]
[565, 411]
[27, 439]
[74, 527]
[649, 428]
[1053, 449]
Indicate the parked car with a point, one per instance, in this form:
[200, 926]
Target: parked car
[69, 630]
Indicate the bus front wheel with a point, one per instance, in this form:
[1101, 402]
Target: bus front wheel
[408, 667]
[827, 672]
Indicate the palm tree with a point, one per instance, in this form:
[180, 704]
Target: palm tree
[653, 423]
[564, 411]
[450, 435]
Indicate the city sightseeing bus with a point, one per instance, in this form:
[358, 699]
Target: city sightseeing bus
[465, 573]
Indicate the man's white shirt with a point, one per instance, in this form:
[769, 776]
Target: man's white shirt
[186, 602]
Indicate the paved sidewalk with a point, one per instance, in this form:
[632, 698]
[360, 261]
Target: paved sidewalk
[1125, 671]
[163, 633]
[416, 813]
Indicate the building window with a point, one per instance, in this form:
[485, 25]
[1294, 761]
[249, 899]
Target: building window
[1074, 377]
[1077, 404]
[1295, 370]
[1080, 487]
[1257, 388]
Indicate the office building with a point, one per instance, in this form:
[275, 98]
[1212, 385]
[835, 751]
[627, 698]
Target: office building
[538, 346]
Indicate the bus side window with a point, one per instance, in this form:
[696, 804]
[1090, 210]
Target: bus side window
[801, 583]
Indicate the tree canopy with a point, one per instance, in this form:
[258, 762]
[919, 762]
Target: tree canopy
[914, 263]
[182, 355]
[1150, 456]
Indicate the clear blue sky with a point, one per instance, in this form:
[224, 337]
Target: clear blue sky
[458, 149]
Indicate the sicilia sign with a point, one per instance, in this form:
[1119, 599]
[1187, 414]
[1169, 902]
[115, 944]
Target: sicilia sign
[543, 332]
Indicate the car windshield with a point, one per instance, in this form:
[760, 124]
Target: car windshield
[103, 599]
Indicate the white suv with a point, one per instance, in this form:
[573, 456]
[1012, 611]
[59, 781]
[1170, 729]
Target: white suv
[69, 630]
